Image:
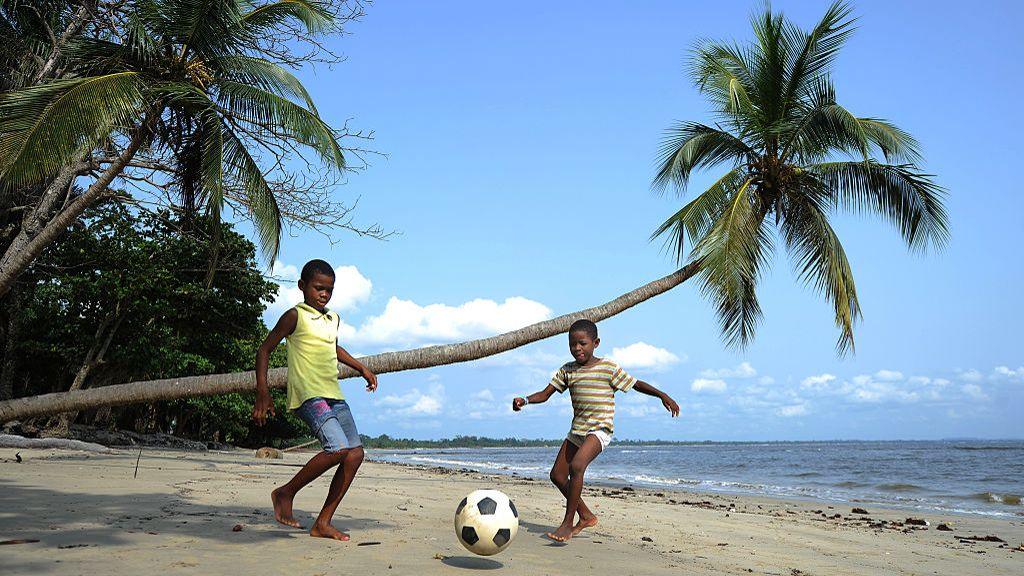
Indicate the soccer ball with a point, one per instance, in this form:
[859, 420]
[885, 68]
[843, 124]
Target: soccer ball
[486, 521]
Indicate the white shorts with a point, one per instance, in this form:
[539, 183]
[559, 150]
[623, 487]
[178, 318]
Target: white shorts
[602, 436]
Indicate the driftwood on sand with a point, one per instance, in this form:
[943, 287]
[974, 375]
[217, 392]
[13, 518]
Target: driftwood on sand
[13, 441]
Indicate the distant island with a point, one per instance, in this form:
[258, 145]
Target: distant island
[387, 442]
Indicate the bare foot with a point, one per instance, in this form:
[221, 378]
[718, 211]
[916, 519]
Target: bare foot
[584, 523]
[562, 534]
[328, 531]
[283, 508]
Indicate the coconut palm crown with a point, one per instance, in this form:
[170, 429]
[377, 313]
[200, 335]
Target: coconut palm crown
[188, 81]
[795, 156]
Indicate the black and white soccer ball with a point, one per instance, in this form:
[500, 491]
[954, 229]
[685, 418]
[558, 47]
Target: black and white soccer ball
[486, 521]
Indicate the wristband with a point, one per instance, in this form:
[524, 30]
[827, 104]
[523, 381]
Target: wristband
[526, 400]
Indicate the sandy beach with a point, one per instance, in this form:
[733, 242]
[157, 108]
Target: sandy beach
[92, 515]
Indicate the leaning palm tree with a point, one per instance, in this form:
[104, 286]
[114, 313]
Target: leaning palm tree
[782, 136]
[189, 79]
[794, 156]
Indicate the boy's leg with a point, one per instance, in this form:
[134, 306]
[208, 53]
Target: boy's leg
[560, 478]
[577, 467]
[343, 431]
[317, 413]
[339, 486]
[283, 496]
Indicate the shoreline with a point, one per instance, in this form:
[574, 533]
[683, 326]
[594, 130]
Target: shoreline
[924, 503]
[209, 512]
[693, 494]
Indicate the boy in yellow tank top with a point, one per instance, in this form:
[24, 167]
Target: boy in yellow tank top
[311, 331]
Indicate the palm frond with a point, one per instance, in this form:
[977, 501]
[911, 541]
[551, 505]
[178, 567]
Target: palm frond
[46, 127]
[819, 49]
[259, 198]
[260, 107]
[692, 221]
[263, 74]
[722, 72]
[688, 146]
[732, 254]
[315, 16]
[909, 199]
[820, 261]
[895, 144]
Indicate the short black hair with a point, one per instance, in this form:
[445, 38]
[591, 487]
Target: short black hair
[314, 267]
[585, 326]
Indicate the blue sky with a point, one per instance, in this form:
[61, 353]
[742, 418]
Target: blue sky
[520, 142]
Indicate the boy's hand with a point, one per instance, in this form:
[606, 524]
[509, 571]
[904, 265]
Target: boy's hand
[371, 380]
[670, 405]
[518, 403]
[264, 405]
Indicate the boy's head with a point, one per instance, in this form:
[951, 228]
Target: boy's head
[583, 340]
[317, 283]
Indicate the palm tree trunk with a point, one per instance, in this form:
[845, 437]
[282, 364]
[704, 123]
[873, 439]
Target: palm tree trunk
[174, 388]
[32, 239]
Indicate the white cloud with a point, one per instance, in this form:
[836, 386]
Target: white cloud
[644, 355]
[744, 370]
[766, 380]
[971, 375]
[406, 322]
[819, 382]
[974, 391]
[792, 410]
[710, 385]
[639, 411]
[413, 403]
[1007, 372]
[351, 288]
[889, 375]
[284, 271]
[483, 395]
[922, 380]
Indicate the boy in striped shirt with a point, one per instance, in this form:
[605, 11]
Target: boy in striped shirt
[592, 383]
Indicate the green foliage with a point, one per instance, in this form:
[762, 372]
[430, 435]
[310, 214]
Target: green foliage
[200, 82]
[780, 134]
[140, 281]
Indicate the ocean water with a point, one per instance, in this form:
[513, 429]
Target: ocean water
[972, 477]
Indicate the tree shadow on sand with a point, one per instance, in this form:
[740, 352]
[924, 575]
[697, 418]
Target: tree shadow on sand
[65, 518]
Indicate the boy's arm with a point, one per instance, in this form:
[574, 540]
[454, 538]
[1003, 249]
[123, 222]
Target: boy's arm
[264, 404]
[645, 388]
[345, 358]
[535, 398]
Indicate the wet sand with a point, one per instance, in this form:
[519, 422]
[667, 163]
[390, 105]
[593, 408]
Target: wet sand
[91, 515]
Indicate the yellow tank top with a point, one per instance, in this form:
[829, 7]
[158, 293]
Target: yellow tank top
[312, 356]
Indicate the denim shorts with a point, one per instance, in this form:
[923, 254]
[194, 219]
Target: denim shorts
[331, 421]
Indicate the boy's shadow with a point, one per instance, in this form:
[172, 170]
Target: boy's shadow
[472, 563]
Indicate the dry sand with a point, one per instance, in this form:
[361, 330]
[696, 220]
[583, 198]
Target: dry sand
[91, 516]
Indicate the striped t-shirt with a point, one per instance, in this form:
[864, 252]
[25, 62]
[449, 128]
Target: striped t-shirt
[592, 389]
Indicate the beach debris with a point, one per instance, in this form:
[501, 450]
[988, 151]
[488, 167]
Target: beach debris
[267, 452]
[137, 460]
[17, 457]
[627, 489]
[722, 544]
[66, 546]
[18, 541]
[944, 527]
[857, 511]
[237, 528]
[647, 539]
[402, 508]
[439, 556]
[798, 572]
[916, 522]
[368, 543]
[1019, 548]
[989, 538]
